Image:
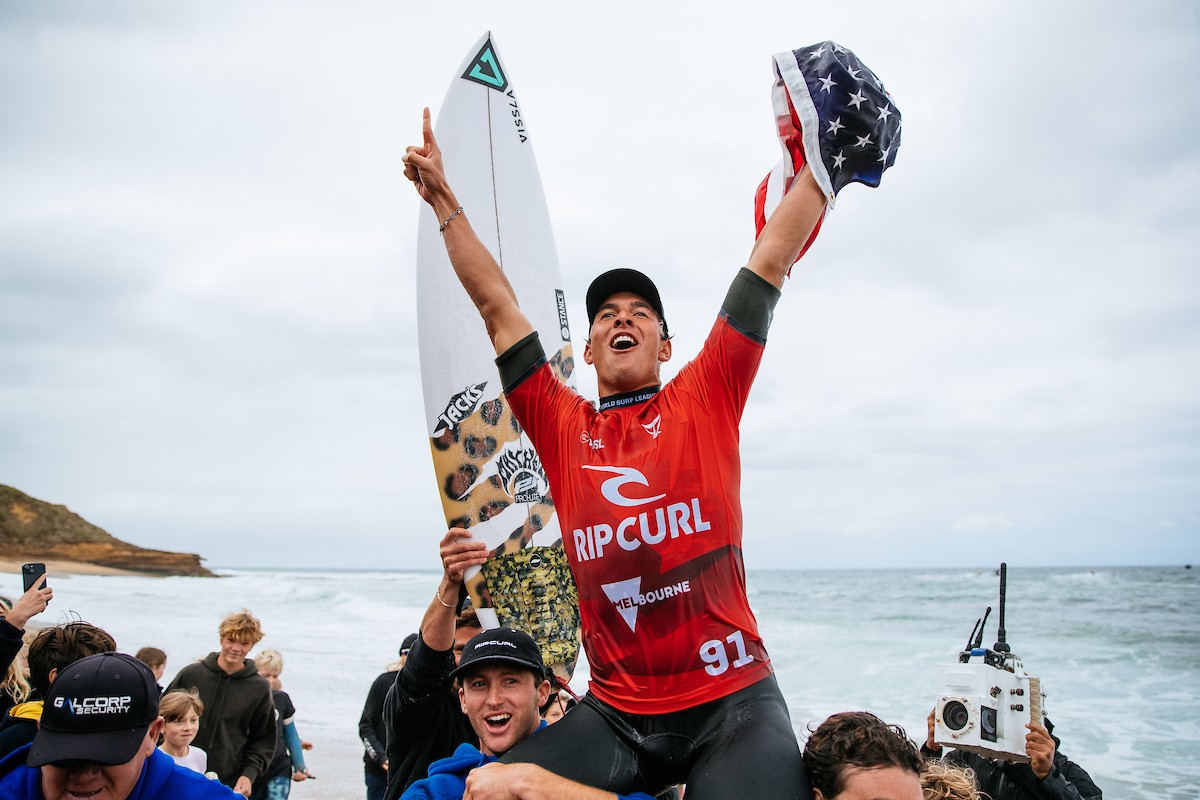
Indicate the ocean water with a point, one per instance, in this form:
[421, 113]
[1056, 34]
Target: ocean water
[1117, 649]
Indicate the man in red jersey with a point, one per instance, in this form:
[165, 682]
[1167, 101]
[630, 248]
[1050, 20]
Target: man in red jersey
[647, 490]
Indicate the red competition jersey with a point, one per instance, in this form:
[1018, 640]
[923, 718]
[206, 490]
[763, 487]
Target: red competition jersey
[648, 496]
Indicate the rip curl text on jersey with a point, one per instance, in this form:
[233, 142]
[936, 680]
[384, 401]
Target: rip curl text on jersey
[647, 490]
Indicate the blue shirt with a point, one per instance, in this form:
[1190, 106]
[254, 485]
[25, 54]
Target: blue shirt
[448, 777]
[162, 779]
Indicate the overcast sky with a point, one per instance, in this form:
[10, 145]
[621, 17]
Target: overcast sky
[207, 325]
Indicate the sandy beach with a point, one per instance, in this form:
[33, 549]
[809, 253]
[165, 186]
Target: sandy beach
[63, 567]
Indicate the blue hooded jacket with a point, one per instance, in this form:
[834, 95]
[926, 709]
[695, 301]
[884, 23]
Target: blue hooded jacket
[448, 777]
[162, 779]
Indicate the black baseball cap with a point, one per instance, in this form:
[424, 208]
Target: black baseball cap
[623, 279]
[501, 645]
[407, 644]
[98, 709]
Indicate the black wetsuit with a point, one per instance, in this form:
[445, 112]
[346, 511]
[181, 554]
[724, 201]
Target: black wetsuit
[373, 734]
[693, 746]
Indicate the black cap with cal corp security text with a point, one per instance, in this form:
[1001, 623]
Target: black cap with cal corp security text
[98, 709]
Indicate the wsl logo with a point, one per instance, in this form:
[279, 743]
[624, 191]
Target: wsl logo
[485, 69]
[460, 407]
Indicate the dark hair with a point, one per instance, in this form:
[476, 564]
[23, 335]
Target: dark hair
[151, 657]
[855, 739]
[467, 619]
[63, 645]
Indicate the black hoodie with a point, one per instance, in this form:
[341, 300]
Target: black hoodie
[237, 728]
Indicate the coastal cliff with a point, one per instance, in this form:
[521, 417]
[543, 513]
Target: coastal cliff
[34, 530]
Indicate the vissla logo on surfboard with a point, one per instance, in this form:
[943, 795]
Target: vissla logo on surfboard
[460, 407]
[485, 69]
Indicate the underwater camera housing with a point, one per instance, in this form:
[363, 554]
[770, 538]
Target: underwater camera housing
[987, 698]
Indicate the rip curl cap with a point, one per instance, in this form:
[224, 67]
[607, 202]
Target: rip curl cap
[501, 645]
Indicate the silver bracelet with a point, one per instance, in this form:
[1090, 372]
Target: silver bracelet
[448, 219]
[438, 592]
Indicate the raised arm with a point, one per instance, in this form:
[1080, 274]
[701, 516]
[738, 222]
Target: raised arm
[478, 271]
[787, 230]
[459, 552]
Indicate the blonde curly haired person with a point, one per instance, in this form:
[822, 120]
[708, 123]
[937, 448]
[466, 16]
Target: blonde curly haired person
[941, 781]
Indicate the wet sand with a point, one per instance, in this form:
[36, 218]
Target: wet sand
[63, 567]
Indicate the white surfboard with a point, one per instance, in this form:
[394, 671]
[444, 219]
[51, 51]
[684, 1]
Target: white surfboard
[488, 475]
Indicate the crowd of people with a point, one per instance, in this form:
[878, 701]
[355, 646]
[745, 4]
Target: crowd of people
[682, 703]
[82, 720]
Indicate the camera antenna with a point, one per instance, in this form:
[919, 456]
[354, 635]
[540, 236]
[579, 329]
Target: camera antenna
[982, 624]
[971, 638]
[1001, 646]
[976, 637]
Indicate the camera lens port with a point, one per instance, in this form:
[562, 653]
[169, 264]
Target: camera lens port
[955, 715]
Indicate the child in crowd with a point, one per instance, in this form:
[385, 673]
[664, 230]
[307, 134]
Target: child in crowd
[153, 658]
[156, 660]
[556, 707]
[288, 763]
[181, 710]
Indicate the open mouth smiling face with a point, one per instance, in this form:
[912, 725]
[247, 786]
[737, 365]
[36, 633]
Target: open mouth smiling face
[622, 341]
[625, 344]
[502, 704]
[497, 724]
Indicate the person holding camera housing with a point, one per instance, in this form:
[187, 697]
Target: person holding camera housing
[1049, 775]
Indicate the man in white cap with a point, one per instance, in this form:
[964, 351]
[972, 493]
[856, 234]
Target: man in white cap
[98, 740]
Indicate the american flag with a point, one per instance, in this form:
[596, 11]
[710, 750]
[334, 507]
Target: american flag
[832, 113]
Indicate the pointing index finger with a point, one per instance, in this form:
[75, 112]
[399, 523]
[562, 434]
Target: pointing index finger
[427, 130]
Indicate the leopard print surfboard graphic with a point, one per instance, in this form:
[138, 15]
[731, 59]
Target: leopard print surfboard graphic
[491, 478]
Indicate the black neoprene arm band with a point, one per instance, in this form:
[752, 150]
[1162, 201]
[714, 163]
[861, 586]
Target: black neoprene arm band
[750, 304]
[520, 361]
